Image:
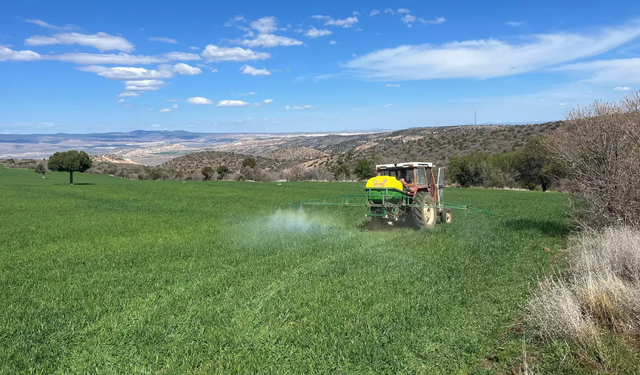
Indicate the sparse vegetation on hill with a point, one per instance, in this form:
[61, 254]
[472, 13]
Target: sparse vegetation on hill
[438, 144]
[295, 153]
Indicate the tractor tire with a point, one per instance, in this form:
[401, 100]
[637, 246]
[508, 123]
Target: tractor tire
[445, 215]
[424, 213]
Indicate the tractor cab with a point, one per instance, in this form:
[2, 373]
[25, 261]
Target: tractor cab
[414, 176]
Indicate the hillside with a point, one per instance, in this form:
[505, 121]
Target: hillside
[296, 153]
[434, 144]
[437, 145]
[199, 160]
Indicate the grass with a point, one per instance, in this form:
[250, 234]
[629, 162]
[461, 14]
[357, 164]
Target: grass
[122, 276]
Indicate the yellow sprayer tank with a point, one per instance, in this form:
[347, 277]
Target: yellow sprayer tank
[379, 186]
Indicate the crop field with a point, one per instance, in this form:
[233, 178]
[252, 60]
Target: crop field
[123, 276]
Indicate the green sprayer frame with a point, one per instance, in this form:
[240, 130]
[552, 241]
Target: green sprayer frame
[363, 200]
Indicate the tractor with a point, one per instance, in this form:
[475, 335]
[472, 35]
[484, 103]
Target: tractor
[407, 193]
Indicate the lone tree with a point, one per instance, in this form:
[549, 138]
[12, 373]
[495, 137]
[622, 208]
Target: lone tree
[70, 161]
[41, 169]
[207, 172]
[223, 170]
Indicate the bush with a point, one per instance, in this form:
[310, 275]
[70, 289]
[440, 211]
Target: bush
[223, 170]
[365, 169]
[207, 172]
[600, 148]
[249, 162]
[599, 293]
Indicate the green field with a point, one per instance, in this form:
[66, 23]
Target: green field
[122, 276]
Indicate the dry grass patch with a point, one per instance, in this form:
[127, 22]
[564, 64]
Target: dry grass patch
[598, 296]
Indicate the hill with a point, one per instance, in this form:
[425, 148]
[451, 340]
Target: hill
[434, 144]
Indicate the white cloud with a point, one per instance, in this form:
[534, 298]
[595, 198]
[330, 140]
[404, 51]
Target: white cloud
[41, 23]
[234, 21]
[144, 83]
[94, 58]
[194, 48]
[314, 33]
[435, 21]
[614, 72]
[409, 19]
[215, 53]
[129, 73]
[121, 58]
[214, 70]
[333, 42]
[249, 93]
[388, 105]
[347, 22]
[101, 41]
[246, 69]
[271, 40]
[182, 56]
[121, 101]
[164, 110]
[374, 12]
[7, 54]
[232, 103]
[198, 100]
[392, 85]
[487, 58]
[562, 103]
[403, 10]
[182, 68]
[267, 101]
[320, 17]
[163, 40]
[142, 88]
[622, 88]
[390, 11]
[128, 94]
[299, 107]
[514, 23]
[265, 25]
[174, 106]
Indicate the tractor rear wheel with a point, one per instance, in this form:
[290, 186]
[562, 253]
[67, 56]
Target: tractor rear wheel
[446, 215]
[424, 211]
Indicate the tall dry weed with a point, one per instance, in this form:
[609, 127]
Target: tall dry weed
[600, 290]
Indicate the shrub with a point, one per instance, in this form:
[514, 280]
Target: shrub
[207, 172]
[600, 291]
[223, 170]
[365, 169]
[600, 148]
[249, 162]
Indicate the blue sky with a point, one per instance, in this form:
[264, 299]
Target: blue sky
[294, 66]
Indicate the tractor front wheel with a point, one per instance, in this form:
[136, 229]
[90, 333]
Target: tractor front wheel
[424, 211]
[446, 215]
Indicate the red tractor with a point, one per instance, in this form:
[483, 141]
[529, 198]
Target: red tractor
[408, 193]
